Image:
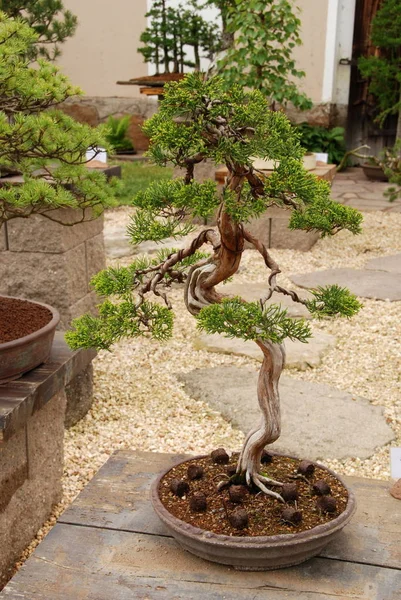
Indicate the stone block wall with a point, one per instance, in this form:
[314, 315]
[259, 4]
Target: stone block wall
[52, 263]
[31, 467]
[94, 110]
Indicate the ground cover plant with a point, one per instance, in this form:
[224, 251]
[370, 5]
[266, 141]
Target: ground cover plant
[198, 120]
[136, 176]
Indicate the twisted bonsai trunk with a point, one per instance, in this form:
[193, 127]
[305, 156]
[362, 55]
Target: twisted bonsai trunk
[200, 292]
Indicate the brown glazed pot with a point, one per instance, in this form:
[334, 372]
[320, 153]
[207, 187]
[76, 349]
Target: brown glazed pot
[262, 553]
[374, 172]
[23, 354]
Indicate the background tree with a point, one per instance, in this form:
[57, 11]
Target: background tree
[172, 31]
[260, 56]
[46, 146]
[197, 121]
[384, 68]
[48, 18]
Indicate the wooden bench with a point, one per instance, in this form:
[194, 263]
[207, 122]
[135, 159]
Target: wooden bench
[109, 545]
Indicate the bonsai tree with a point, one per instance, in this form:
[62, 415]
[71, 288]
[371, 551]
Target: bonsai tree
[46, 146]
[171, 31]
[197, 121]
[259, 54]
[49, 19]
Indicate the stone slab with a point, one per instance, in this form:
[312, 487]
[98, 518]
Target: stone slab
[117, 245]
[318, 421]
[95, 256]
[379, 285]
[391, 264]
[79, 395]
[298, 355]
[252, 292]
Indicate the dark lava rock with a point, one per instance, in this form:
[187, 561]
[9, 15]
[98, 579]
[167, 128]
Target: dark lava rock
[306, 468]
[237, 493]
[195, 472]
[289, 492]
[220, 456]
[179, 487]
[197, 502]
[239, 518]
[327, 504]
[290, 515]
[321, 488]
[266, 458]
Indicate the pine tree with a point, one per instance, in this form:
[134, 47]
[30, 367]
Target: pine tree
[48, 18]
[45, 145]
[198, 120]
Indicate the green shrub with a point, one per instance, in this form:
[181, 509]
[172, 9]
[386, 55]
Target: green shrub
[117, 134]
[320, 139]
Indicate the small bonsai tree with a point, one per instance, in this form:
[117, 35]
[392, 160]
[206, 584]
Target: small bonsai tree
[52, 23]
[198, 120]
[172, 31]
[46, 146]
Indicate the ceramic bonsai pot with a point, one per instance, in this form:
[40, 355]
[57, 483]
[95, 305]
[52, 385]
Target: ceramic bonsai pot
[25, 353]
[374, 172]
[255, 553]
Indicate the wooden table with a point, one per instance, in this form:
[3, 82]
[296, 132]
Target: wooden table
[110, 546]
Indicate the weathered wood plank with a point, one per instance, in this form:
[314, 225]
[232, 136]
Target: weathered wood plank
[117, 498]
[84, 563]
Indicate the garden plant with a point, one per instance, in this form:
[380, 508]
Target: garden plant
[197, 121]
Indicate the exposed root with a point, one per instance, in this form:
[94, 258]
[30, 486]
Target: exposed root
[260, 480]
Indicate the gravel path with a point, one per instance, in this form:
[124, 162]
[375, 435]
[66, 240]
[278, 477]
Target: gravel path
[139, 403]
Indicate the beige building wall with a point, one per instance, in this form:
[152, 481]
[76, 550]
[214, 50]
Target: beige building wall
[310, 57]
[104, 48]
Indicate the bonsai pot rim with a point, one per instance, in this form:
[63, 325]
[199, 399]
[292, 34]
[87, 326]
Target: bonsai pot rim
[23, 354]
[52, 324]
[230, 544]
[374, 172]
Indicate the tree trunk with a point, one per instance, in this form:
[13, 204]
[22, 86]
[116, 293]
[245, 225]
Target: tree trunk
[398, 133]
[200, 292]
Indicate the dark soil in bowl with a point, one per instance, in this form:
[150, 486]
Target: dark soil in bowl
[19, 318]
[320, 497]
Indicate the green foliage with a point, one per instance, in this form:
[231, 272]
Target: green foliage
[327, 217]
[332, 301]
[48, 148]
[260, 56]
[172, 31]
[390, 161]
[117, 133]
[51, 22]
[320, 139]
[248, 320]
[116, 321]
[383, 69]
[136, 176]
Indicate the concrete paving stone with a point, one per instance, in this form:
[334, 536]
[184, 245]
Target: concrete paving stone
[318, 421]
[252, 292]
[391, 264]
[378, 285]
[117, 245]
[298, 355]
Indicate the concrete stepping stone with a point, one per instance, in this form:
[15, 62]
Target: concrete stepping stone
[366, 283]
[117, 245]
[298, 355]
[252, 292]
[318, 421]
[391, 264]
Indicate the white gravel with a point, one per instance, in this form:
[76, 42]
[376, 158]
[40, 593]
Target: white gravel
[139, 403]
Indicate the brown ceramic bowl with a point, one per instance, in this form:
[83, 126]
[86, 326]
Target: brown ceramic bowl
[262, 553]
[23, 354]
